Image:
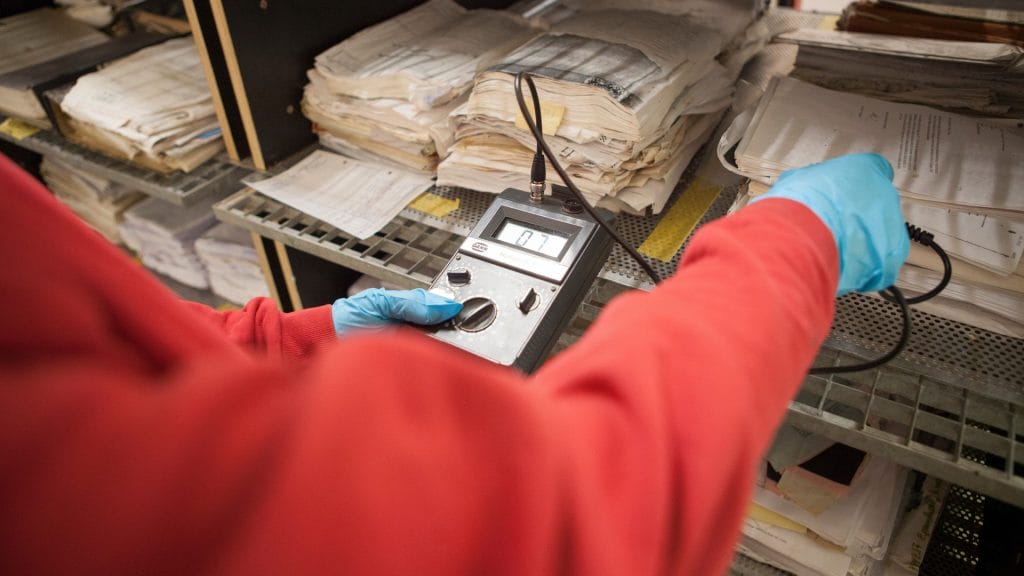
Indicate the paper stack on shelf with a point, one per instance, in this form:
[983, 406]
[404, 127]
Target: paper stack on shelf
[164, 237]
[231, 263]
[629, 96]
[28, 41]
[831, 513]
[959, 178]
[153, 108]
[933, 20]
[98, 201]
[386, 92]
[969, 77]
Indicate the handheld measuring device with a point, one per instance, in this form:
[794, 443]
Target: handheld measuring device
[520, 275]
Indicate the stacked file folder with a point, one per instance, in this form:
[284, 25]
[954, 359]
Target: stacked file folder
[832, 512]
[959, 177]
[164, 237]
[385, 93]
[231, 263]
[98, 201]
[32, 44]
[153, 108]
[628, 97]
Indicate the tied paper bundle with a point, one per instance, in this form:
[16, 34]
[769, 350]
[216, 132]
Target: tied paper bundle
[231, 263]
[976, 78]
[386, 92]
[164, 237]
[153, 108]
[98, 201]
[628, 97]
[959, 178]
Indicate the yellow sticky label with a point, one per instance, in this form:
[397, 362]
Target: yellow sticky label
[676, 225]
[762, 514]
[828, 22]
[17, 129]
[436, 206]
[550, 115]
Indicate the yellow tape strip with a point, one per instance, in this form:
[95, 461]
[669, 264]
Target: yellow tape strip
[762, 514]
[550, 114]
[436, 206]
[17, 129]
[676, 225]
[828, 23]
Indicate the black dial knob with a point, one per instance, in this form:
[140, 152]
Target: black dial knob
[476, 314]
[458, 277]
[529, 302]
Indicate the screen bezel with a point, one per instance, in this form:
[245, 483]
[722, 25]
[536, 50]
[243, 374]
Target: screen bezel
[567, 230]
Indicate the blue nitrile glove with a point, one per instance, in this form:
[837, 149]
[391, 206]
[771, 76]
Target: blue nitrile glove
[854, 196]
[378, 307]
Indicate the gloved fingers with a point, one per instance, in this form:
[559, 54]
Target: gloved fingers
[420, 307]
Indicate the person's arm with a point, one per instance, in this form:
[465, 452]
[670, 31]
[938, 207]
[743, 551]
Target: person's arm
[391, 453]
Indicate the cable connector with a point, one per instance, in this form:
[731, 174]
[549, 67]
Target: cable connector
[920, 235]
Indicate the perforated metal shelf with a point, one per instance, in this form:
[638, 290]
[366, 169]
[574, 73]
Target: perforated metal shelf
[955, 388]
[214, 177]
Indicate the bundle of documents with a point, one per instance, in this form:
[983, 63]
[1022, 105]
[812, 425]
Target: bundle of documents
[98, 201]
[832, 512]
[29, 41]
[934, 20]
[231, 263]
[972, 77]
[153, 108]
[628, 96]
[164, 237]
[960, 178]
[386, 92]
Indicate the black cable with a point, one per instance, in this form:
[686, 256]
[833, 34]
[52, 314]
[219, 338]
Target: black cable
[542, 145]
[894, 295]
[897, 297]
[928, 239]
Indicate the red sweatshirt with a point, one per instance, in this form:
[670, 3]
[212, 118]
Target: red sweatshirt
[143, 435]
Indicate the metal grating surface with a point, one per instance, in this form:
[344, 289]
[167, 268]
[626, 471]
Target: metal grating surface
[214, 177]
[956, 389]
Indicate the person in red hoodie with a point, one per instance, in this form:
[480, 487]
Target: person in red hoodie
[140, 434]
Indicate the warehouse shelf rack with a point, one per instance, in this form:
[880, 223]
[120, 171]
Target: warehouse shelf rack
[955, 391]
[214, 177]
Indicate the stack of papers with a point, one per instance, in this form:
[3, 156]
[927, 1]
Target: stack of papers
[231, 263]
[28, 41]
[386, 92]
[153, 108]
[628, 96]
[971, 77]
[934, 20]
[98, 201]
[833, 514]
[164, 237]
[959, 178]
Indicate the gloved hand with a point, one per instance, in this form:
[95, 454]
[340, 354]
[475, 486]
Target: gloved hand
[854, 196]
[378, 307]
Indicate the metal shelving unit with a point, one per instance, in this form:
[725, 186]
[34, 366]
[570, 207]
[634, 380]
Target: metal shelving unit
[956, 392]
[214, 177]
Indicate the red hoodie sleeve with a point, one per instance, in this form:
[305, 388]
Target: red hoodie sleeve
[137, 438]
[261, 326]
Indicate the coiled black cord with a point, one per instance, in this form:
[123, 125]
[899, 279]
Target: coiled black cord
[893, 294]
[542, 145]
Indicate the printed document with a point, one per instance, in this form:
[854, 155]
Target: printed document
[353, 196]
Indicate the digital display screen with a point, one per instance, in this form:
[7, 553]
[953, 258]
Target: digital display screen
[532, 238]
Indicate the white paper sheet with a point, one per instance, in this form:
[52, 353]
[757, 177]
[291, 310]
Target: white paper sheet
[357, 197]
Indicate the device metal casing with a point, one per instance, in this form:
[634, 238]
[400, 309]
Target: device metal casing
[520, 335]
